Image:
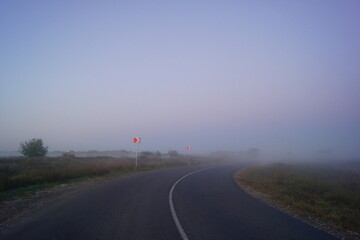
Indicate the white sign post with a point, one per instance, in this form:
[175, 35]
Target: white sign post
[136, 140]
[188, 148]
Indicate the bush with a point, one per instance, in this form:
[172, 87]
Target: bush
[33, 148]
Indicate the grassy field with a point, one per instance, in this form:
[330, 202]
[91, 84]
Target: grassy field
[330, 192]
[19, 175]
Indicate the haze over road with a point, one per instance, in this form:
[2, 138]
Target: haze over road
[208, 204]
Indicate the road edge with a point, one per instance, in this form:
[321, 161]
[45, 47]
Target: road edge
[266, 199]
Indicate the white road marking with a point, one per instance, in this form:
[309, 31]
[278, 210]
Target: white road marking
[172, 208]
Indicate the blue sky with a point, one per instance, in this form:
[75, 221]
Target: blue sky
[216, 75]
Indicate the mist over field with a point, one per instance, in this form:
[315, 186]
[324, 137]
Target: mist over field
[282, 77]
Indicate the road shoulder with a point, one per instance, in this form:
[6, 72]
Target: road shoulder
[266, 199]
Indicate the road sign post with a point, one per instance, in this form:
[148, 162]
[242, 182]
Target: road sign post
[136, 140]
[136, 161]
[188, 148]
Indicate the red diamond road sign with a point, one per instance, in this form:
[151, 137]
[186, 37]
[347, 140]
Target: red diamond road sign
[137, 140]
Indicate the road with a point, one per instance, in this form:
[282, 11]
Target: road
[207, 204]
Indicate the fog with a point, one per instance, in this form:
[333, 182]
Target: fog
[219, 76]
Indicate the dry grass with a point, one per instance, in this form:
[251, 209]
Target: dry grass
[24, 172]
[327, 192]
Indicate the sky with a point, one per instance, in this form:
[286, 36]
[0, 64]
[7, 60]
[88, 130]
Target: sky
[282, 76]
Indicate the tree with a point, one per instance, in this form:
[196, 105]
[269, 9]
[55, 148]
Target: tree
[173, 153]
[145, 154]
[157, 154]
[33, 148]
[69, 154]
[253, 153]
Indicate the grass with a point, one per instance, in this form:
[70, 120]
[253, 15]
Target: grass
[21, 176]
[327, 192]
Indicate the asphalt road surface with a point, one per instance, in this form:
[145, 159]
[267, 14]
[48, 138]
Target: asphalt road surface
[180, 204]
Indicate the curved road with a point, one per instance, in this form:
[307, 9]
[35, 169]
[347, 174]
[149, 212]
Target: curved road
[206, 204]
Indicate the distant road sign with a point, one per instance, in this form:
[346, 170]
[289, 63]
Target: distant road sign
[137, 140]
[188, 148]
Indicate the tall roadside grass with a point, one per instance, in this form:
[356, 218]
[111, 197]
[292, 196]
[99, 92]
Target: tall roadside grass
[327, 192]
[22, 172]
[18, 173]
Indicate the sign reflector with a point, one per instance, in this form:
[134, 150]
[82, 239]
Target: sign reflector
[137, 140]
[188, 148]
